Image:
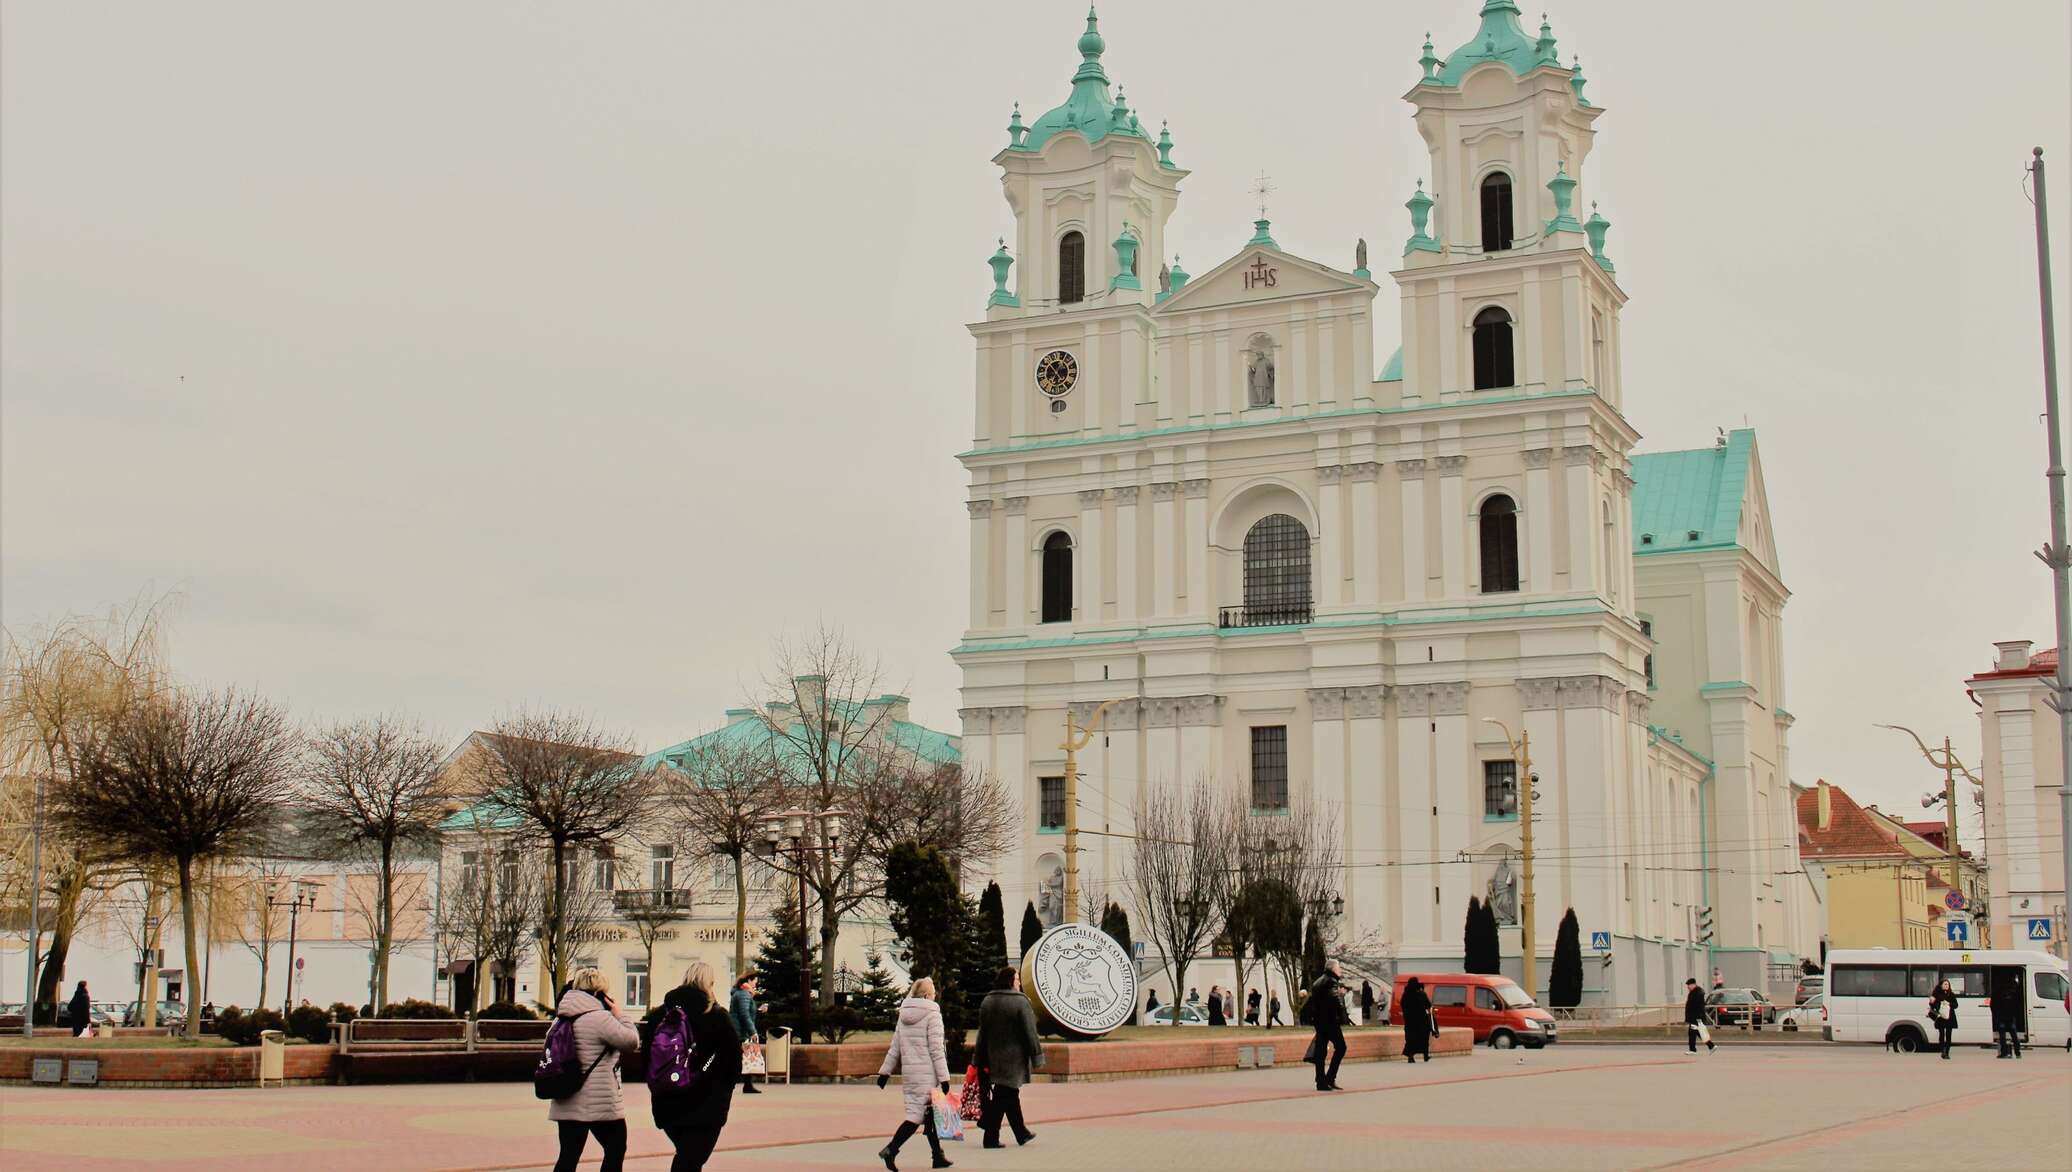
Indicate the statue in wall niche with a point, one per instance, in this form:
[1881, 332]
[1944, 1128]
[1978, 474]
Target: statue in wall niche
[1050, 893]
[1259, 374]
[1165, 279]
[1503, 892]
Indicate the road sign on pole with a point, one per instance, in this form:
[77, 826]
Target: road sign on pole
[1954, 901]
[2039, 928]
[1600, 941]
[1959, 931]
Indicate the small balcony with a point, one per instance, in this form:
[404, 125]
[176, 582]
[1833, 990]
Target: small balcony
[642, 901]
[1231, 617]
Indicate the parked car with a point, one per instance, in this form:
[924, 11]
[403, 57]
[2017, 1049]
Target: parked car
[1810, 986]
[170, 1013]
[1190, 1015]
[1742, 1007]
[1493, 1008]
[1807, 1015]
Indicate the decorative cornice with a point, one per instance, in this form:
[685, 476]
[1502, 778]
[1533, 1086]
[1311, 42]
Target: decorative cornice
[1330, 473]
[1091, 498]
[1003, 721]
[1197, 489]
[1161, 712]
[1201, 711]
[1575, 454]
[1451, 465]
[1122, 715]
[1537, 457]
[1327, 703]
[1366, 471]
[1448, 698]
[1017, 505]
[1638, 705]
[1164, 492]
[1365, 701]
[1569, 692]
[1537, 694]
[1126, 495]
[1410, 469]
[978, 509]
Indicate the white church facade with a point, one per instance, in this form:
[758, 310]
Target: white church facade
[1192, 495]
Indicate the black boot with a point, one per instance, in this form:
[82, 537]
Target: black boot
[935, 1149]
[905, 1132]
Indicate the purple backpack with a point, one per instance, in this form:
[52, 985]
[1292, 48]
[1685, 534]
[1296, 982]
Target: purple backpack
[559, 1074]
[674, 1063]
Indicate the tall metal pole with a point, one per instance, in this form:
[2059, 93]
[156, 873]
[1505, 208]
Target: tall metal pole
[294, 912]
[1075, 740]
[2056, 555]
[35, 905]
[1950, 827]
[1528, 940]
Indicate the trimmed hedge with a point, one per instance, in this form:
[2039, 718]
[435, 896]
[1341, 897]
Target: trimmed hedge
[416, 1009]
[239, 1028]
[310, 1024]
[507, 1011]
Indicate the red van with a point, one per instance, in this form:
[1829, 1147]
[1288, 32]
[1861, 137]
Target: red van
[1495, 1008]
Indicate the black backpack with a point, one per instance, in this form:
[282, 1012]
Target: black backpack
[559, 1073]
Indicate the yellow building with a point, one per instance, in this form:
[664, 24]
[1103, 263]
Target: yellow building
[1875, 890]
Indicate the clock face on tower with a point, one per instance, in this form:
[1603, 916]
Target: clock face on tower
[1056, 372]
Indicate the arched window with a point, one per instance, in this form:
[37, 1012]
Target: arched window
[1496, 212]
[1493, 349]
[1499, 524]
[1259, 386]
[1276, 573]
[1057, 578]
[1071, 268]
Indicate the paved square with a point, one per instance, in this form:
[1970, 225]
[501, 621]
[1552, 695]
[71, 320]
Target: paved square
[1574, 1107]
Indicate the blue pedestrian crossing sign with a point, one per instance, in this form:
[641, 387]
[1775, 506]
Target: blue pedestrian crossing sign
[1959, 931]
[2039, 929]
[1600, 941]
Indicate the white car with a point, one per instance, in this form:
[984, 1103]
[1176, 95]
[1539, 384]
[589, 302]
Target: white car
[1189, 1016]
[1806, 1016]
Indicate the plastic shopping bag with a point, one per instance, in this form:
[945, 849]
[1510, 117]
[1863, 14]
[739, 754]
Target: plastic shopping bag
[753, 1060]
[948, 1123]
[1704, 1035]
[973, 1099]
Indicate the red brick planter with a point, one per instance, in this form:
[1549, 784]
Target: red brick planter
[185, 1066]
[1196, 1050]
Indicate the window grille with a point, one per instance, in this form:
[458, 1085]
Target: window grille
[1270, 767]
[1499, 531]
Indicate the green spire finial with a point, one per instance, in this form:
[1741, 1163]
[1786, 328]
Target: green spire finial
[1575, 82]
[1597, 226]
[1091, 44]
[1179, 274]
[1165, 145]
[1544, 47]
[1430, 62]
[1563, 186]
[1001, 262]
[1015, 129]
[1125, 260]
[1420, 206]
[1121, 113]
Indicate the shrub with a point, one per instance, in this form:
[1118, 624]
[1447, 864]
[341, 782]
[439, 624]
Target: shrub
[413, 1008]
[243, 1029]
[310, 1024]
[342, 1013]
[507, 1011]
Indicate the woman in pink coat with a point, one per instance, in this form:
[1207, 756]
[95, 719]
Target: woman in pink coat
[917, 1057]
[597, 1108]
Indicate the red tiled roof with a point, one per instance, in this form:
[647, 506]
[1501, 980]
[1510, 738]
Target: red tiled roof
[2042, 663]
[1851, 833]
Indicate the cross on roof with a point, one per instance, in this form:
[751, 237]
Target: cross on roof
[1261, 188]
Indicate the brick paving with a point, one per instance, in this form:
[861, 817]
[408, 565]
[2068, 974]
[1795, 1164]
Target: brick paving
[1598, 1107]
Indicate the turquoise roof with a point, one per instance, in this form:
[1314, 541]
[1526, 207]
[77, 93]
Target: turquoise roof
[1676, 494]
[928, 744]
[1392, 371]
[1089, 110]
[1501, 39]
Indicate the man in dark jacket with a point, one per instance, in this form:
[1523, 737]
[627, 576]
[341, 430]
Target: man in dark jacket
[1326, 1009]
[741, 1011]
[693, 1118]
[79, 1012]
[1007, 1051]
[2006, 1006]
[1694, 1013]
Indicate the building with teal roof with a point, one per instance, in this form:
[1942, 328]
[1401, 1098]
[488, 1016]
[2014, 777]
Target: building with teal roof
[1300, 567]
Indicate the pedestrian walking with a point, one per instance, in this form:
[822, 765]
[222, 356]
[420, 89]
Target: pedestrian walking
[597, 1107]
[692, 1118]
[1418, 1023]
[1216, 1017]
[741, 1013]
[1151, 1003]
[917, 1057]
[1694, 1016]
[1273, 1015]
[1366, 1002]
[2006, 1005]
[79, 1011]
[1007, 1051]
[1327, 1018]
[1252, 1008]
[1942, 1010]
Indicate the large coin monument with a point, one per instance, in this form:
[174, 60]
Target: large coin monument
[1080, 978]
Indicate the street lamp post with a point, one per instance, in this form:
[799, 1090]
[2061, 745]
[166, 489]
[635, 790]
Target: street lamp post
[305, 896]
[1076, 738]
[1951, 767]
[1528, 940]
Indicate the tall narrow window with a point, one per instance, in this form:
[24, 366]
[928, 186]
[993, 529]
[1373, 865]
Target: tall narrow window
[1071, 268]
[1496, 212]
[604, 872]
[662, 867]
[1276, 574]
[1270, 767]
[1493, 365]
[1050, 795]
[1499, 525]
[1500, 789]
[1647, 665]
[1057, 578]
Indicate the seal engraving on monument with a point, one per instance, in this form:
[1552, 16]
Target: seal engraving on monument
[1080, 978]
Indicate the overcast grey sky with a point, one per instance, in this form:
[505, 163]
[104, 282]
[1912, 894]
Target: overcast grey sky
[451, 356]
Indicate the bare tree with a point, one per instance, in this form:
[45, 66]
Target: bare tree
[652, 910]
[372, 793]
[563, 782]
[513, 903]
[971, 816]
[257, 917]
[719, 792]
[1181, 863]
[64, 684]
[1286, 864]
[182, 778]
[574, 917]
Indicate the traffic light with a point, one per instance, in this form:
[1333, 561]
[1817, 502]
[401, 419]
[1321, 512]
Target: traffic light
[1704, 925]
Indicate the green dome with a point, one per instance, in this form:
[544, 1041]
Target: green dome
[1501, 39]
[1089, 110]
[1392, 370]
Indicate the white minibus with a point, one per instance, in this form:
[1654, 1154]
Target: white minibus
[1881, 995]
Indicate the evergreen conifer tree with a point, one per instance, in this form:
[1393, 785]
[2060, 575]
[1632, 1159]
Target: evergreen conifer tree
[1469, 929]
[1032, 928]
[1565, 981]
[1485, 952]
[779, 962]
[1116, 923]
[1312, 953]
[876, 1000]
[991, 930]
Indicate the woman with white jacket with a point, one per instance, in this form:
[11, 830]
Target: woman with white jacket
[597, 1108]
[917, 1057]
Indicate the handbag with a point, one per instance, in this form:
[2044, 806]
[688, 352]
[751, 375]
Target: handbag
[1310, 1054]
[949, 1123]
[752, 1059]
[973, 1098]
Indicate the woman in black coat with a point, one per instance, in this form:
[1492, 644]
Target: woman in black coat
[79, 1012]
[1942, 1009]
[1416, 1011]
[693, 1120]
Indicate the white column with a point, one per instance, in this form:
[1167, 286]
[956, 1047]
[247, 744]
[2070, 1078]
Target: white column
[1531, 327]
[1164, 593]
[981, 563]
[1412, 473]
[1453, 525]
[1327, 397]
[1092, 391]
[1456, 790]
[982, 422]
[1088, 559]
[1197, 549]
[1014, 562]
[1538, 520]
[1020, 384]
[1186, 407]
[1363, 814]
[1162, 742]
[1453, 343]
[1415, 840]
[1365, 571]
[1127, 555]
[1291, 381]
[1330, 538]
[1582, 519]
